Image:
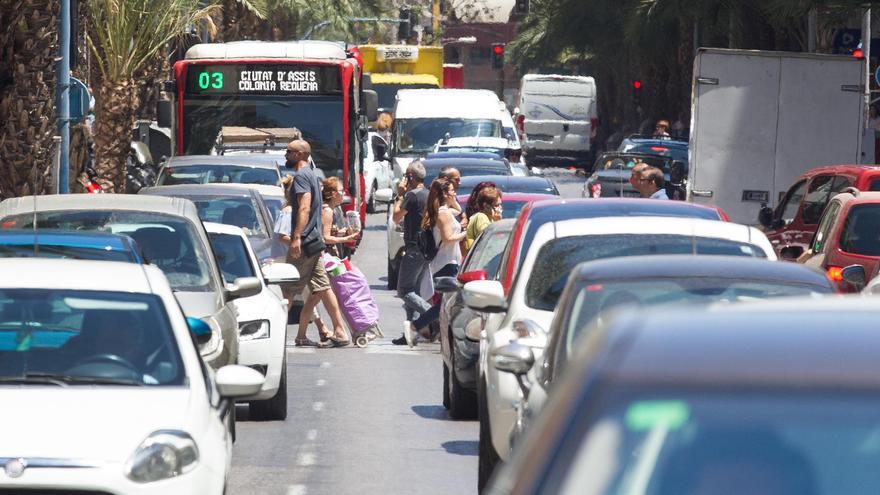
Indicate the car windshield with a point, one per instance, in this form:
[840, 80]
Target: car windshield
[169, 242]
[557, 258]
[217, 174]
[685, 442]
[240, 211]
[68, 337]
[232, 256]
[861, 231]
[319, 118]
[414, 136]
[65, 251]
[488, 251]
[595, 298]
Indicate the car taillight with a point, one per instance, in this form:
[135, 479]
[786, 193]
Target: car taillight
[521, 123]
[659, 149]
[835, 273]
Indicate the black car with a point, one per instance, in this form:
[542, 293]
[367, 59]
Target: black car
[774, 397]
[596, 287]
[460, 334]
[509, 184]
[467, 166]
[612, 171]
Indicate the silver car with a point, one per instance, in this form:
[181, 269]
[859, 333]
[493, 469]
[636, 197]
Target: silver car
[172, 237]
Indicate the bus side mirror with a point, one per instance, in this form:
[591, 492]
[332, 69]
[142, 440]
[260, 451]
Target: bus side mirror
[371, 104]
[163, 113]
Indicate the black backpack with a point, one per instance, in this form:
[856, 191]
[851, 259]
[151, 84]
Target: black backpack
[427, 245]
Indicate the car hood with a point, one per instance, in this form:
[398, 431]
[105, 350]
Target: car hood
[100, 423]
[261, 306]
[197, 304]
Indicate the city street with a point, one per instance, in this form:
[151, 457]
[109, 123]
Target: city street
[366, 421]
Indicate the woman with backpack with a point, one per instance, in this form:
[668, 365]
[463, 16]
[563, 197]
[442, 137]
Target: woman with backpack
[440, 226]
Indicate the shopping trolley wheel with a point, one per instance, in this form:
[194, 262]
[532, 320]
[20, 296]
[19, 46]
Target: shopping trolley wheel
[361, 341]
[377, 330]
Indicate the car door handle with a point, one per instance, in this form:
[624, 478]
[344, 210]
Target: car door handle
[703, 194]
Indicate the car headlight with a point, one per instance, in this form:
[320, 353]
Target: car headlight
[250, 330]
[162, 455]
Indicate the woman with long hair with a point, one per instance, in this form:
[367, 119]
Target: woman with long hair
[440, 218]
[488, 206]
[471, 208]
[332, 193]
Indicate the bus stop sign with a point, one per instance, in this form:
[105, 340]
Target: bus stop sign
[79, 100]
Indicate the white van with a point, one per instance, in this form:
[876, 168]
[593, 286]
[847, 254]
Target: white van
[423, 117]
[557, 118]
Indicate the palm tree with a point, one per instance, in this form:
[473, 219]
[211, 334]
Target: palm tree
[125, 36]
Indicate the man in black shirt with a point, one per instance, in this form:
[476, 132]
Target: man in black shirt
[412, 196]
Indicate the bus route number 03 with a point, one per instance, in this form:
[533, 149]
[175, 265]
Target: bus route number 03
[211, 80]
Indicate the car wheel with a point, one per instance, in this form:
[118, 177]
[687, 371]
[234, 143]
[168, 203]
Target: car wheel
[371, 204]
[274, 409]
[445, 386]
[392, 276]
[488, 459]
[462, 402]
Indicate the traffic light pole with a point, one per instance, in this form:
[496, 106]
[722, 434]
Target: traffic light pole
[62, 95]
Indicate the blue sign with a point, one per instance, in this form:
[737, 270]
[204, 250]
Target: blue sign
[79, 100]
[877, 76]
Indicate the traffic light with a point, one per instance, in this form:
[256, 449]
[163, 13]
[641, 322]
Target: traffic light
[521, 7]
[498, 56]
[404, 28]
[636, 92]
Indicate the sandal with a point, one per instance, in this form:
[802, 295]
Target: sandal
[305, 342]
[339, 343]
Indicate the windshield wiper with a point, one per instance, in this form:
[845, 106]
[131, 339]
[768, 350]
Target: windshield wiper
[31, 380]
[65, 380]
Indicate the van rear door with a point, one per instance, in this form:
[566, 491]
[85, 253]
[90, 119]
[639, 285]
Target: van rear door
[557, 113]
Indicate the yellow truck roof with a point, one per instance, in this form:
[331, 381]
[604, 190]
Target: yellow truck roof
[383, 78]
[402, 60]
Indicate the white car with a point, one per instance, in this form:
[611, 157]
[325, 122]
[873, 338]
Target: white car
[377, 169]
[503, 147]
[102, 386]
[527, 310]
[262, 318]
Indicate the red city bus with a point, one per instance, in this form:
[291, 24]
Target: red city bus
[269, 88]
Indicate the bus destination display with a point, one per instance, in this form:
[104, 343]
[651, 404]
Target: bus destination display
[262, 79]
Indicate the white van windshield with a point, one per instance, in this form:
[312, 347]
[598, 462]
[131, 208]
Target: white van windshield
[413, 136]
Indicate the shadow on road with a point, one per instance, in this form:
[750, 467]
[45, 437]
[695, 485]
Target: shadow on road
[432, 412]
[462, 447]
[376, 228]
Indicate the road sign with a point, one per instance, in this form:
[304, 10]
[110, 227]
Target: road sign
[877, 76]
[79, 100]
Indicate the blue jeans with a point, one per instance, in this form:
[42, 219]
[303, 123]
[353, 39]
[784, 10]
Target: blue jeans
[413, 266]
[433, 314]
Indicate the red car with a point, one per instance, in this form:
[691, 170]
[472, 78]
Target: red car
[848, 234]
[791, 226]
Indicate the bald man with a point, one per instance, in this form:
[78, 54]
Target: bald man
[307, 245]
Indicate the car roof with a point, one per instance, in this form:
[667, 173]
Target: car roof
[252, 160]
[858, 197]
[647, 139]
[486, 142]
[703, 266]
[516, 196]
[85, 239]
[199, 190]
[649, 225]
[446, 103]
[505, 181]
[839, 169]
[486, 155]
[463, 163]
[124, 202]
[566, 209]
[792, 343]
[46, 273]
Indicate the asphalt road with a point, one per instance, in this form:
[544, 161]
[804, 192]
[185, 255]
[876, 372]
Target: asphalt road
[364, 421]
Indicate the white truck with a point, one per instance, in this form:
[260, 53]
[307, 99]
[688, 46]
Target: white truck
[760, 119]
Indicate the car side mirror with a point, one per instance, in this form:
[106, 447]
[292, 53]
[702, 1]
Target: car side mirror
[513, 358]
[384, 195]
[235, 381]
[765, 216]
[280, 273]
[445, 285]
[243, 287]
[371, 104]
[199, 329]
[485, 295]
[855, 276]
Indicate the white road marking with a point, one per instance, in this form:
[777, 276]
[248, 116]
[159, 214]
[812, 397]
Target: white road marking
[318, 406]
[311, 435]
[296, 490]
[301, 350]
[321, 382]
[305, 459]
[325, 364]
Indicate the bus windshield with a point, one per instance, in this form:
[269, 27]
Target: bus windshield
[318, 117]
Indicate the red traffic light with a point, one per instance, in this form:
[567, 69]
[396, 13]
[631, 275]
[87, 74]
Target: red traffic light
[498, 49]
[857, 53]
[637, 84]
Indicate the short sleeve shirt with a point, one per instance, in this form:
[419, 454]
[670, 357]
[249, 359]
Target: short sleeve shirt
[414, 203]
[305, 181]
[476, 226]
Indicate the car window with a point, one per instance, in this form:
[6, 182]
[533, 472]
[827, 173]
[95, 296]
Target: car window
[236, 211]
[824, 229]
[167, 241]
[817, 198]
[840, 183]
[861, 230]
[487, 252]
[558, 257]
[788, 209]
[875, 185]
[222, 174]
[88, 337]
[232, 256]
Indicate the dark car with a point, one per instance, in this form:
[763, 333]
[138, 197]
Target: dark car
[775, 397]
[594, 288]
[96, 246]
[467, 166]
[509, 184]
[612, 172]
[667, 147]
[459, 333]
[239, 206]
[791, 225]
